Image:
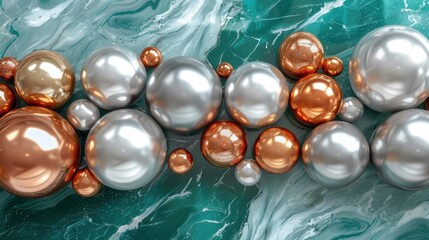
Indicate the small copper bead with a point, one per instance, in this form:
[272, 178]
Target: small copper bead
[224, 70]
[180, 161]
[333, 66]
[7, 99]
[151, 57]
[85, 183]
[8, 66]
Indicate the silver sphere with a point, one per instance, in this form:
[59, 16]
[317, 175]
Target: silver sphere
[126, 149]
[83, 114]
[335, 154]
[351, 109]
[184, 94]
[400, 150]
[247, 172]
[256, 94]
[113, 77]
[389, 69]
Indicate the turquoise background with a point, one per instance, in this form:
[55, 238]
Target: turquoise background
[208, 202]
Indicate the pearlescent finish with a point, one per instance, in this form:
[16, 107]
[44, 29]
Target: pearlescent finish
[113, 77]
[256, 94]
[83, 114]
[351, 109]
[335, 154]
[400, 150]
[125, 149]
[208, 202]
[184, 94]
[389, 69]
[248, 172]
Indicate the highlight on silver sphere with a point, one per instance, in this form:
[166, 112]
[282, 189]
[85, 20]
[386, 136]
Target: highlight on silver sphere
[113, 77]
[400, 150]
[335, 154]
[248, 172]
[389, 69]
[83, 114]
[351, 109]
[125, 149]
[256, 94]
[184, 94]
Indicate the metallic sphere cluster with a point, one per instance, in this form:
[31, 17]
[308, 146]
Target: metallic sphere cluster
[126, 149]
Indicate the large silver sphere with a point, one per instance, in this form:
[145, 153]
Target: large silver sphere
[400, 150]
[389, 69]
[351, 109]
[256, 94]
[247, 172]
[184, 94]
[335, 154]
[83, 114]
[113, 77]
[125, 149]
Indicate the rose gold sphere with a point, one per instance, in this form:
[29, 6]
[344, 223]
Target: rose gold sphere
[224, 70]
[315, 99]
[39, 152]
[85, 183]
[8, 66]
[333, 66]
[223, 143]
[7, 99]
[180, 161]
[301, 54]
[151, 57]
[277, 150]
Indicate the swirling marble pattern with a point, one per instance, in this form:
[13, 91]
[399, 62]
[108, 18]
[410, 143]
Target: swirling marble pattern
[208, 202]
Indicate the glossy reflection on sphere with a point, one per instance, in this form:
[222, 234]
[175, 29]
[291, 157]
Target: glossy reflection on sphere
[85, 184]
[180, 161]
[39, 152]
[125, 149]
[301, 54]
[223, 143]
[389, 69]
[277, 150]
[83, 114]
[248, 172]
[351, 109]
[184, 94]
[335, 154]
[8, 67]
[400, 150]
[315, 99]
[113, 77]
[256, 94]
[45, 78]
[7, 99]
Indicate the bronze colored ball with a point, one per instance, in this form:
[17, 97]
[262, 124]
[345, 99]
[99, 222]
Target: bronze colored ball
[223, 144]
[151, 57]
[301, 54]
[180, 161]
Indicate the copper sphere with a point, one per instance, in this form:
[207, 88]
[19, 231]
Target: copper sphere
[277, 150]
[301, 54]
[7, 99]
[224, 70]
[85, 184]
[333, 66]
[180, 161]
[8, 66]
[223, 144]
[316, 99]
[151, 57]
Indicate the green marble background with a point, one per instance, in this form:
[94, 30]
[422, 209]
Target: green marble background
[208, 202]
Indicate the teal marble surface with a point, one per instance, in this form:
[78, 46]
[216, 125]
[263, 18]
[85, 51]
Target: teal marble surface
[208, 202]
